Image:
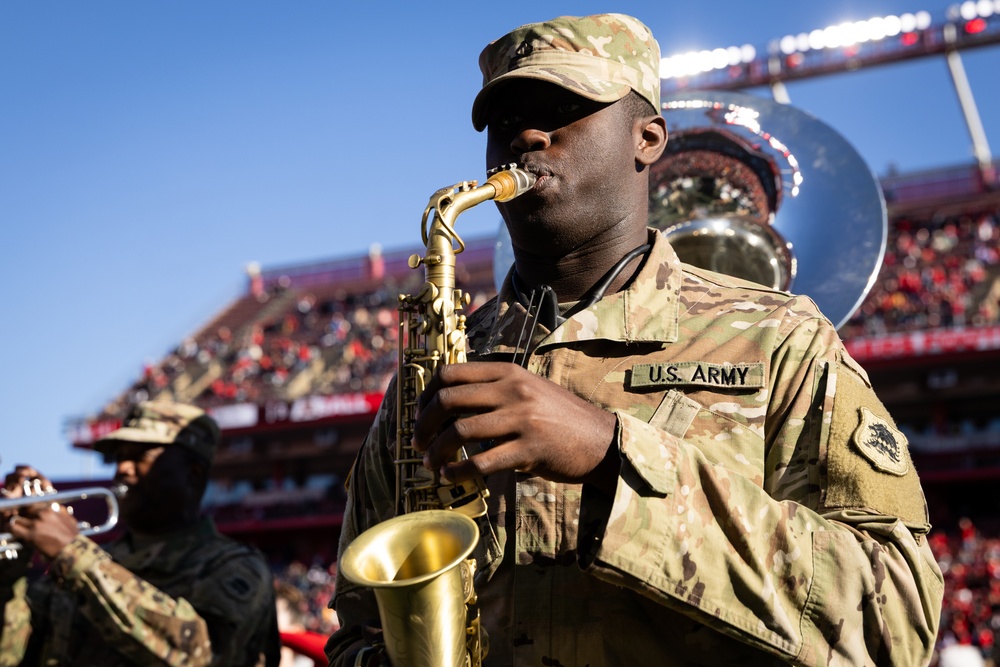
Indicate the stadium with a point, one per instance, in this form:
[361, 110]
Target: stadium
[295, 368]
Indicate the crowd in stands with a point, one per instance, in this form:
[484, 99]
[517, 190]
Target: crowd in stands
[970, 619]
[350, 345]
[339, 343]
[935, 273]
[307, 590]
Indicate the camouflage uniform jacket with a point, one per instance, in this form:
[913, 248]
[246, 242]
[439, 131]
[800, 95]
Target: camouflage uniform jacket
[767, 511]
[197, 598]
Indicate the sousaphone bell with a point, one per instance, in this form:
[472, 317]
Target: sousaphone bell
[763, 191]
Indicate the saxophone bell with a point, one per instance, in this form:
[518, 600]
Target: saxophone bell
[417, 566]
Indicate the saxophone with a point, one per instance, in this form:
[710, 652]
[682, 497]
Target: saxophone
[419, 563]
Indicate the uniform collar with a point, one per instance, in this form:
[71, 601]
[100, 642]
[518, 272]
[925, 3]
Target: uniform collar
[646, 311]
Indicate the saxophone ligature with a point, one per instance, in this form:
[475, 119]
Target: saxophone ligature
[419, 562]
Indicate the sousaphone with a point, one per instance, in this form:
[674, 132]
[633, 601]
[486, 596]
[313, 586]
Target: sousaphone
[765, 192]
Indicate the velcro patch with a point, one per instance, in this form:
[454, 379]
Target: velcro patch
[699, 373]
[880, 443]
[238, 588]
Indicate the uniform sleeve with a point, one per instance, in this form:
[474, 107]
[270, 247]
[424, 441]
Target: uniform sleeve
[17, 628]
[143, 623]
[230, 619]
[370, 499]
[822, 561]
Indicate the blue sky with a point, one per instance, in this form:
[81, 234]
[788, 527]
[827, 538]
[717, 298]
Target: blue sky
[149, 151]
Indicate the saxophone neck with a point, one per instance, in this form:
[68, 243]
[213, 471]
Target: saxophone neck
[502, 184]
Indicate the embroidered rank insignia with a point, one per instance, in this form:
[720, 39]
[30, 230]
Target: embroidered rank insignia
[740, 376]
[881, 444]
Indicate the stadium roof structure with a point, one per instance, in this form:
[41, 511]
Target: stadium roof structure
[849, 47]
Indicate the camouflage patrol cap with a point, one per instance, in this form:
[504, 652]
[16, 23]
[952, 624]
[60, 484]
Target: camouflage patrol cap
[600, 57]
[165, 423]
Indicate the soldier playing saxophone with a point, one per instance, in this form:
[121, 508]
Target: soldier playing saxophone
[683, 468]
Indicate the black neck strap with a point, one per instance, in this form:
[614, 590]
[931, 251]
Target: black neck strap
[543, 306]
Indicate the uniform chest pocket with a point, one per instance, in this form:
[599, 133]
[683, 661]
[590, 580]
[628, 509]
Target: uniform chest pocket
[729, 429]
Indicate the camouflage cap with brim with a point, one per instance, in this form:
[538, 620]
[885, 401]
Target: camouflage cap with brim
[600, 57]
[165, 423]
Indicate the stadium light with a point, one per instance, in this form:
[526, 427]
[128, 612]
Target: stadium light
[876, 28]
[983, 9]
[693, 63]
[848, 44]
[893, 26]
[849, 34]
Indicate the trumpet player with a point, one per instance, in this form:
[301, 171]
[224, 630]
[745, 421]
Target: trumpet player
[683, 468]
[170, 591]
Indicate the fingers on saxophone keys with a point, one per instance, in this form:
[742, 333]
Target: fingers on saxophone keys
[454, 472]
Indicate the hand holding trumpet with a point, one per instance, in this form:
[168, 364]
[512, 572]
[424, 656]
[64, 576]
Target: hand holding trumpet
[47, 526]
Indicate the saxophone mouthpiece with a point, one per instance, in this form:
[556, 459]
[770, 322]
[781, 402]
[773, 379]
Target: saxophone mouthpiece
[510, 181]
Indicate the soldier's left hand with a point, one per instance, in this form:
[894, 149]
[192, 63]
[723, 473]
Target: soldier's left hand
[534, 425]
[44, 525]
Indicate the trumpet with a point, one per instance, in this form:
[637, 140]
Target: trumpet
[10, 548]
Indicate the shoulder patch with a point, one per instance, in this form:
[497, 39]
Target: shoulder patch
[238, 587]
[880, 443]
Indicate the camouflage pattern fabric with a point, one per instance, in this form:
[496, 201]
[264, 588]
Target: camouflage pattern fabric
[767, 511]
[197, 598]
[599, 57]
[163, 422]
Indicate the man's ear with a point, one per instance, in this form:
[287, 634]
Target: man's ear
[651, 139]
